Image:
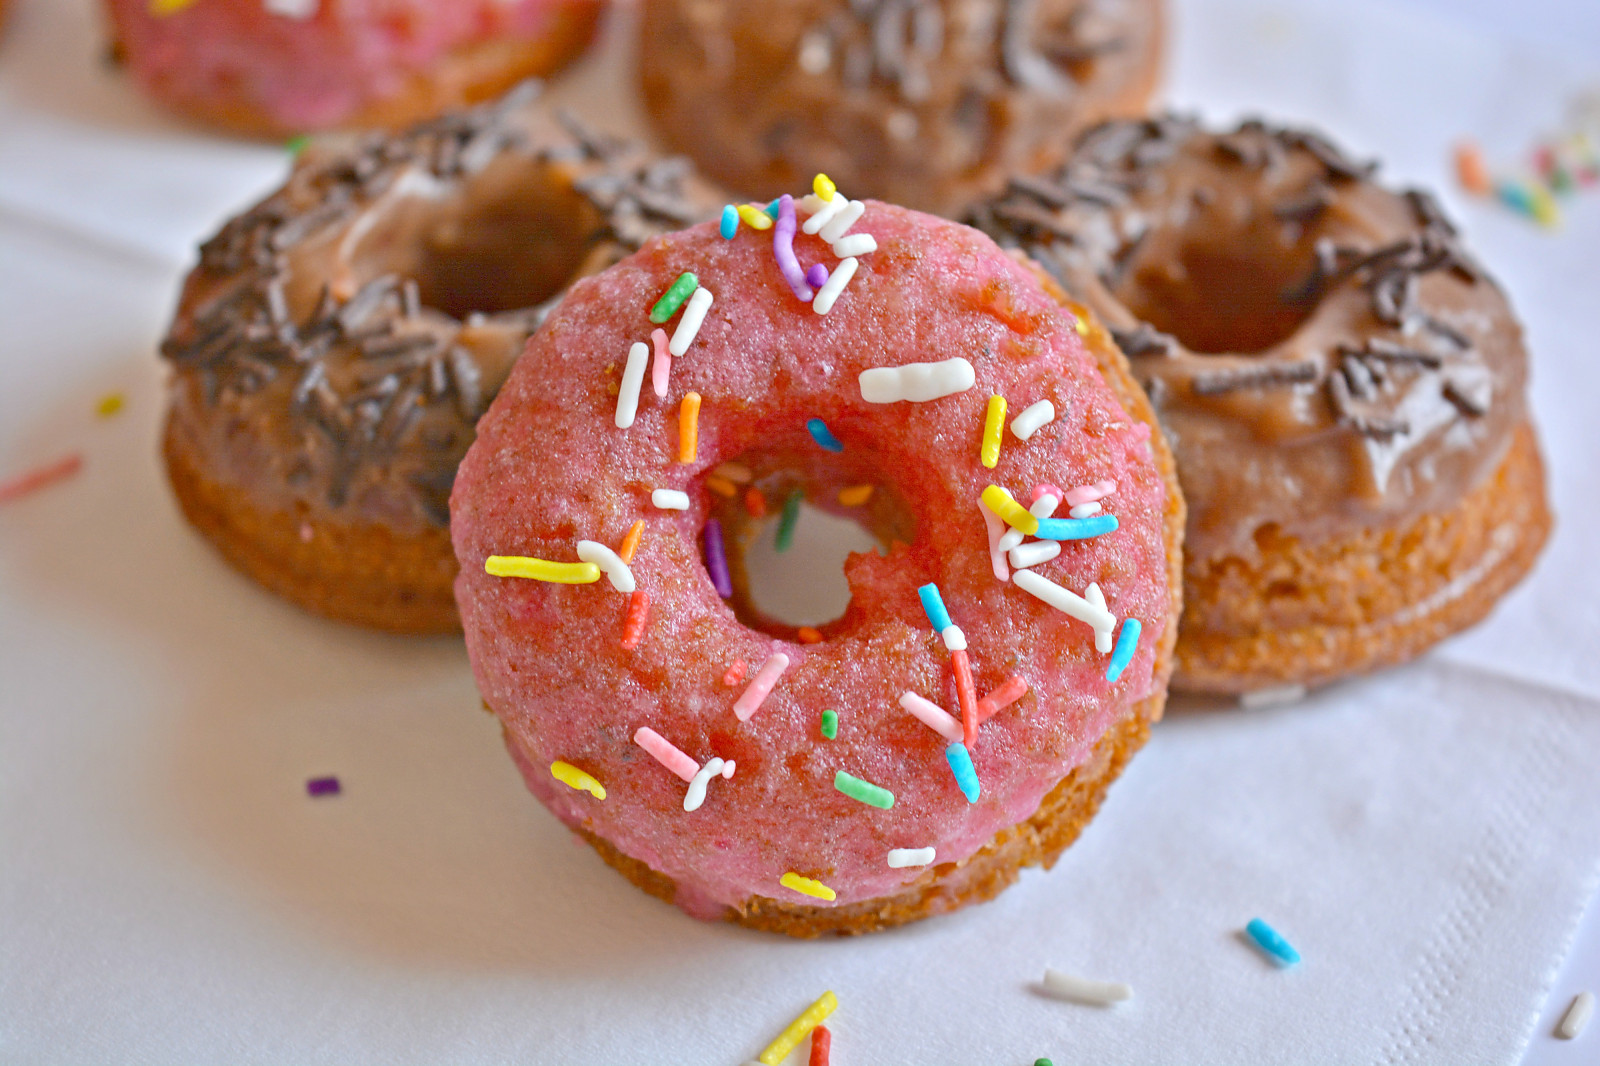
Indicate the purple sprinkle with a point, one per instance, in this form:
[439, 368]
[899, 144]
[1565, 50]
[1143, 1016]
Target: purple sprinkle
[322, 786]
[717, 559]
[783, 250]
[817, 276]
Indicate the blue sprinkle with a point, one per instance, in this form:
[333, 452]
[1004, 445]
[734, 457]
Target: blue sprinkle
[933, 604]
[1268, 940]
[772, 209]
[730, 221]
[823, 435]
[961, 766]
[1127, 644]
[1515, 197]
[1076, 528]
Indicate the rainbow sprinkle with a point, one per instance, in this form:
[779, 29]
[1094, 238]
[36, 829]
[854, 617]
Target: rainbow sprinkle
[634, 621]
[717, 559]
[789, 519]
[1271, 943]
[1127, 644]
[855, 495]
[960, 761]
[830, 724]
[814, 1015]
[109, 404]
[39, 478]
[807, 887]
[678, 292]
[1009, 511]
[575, 778]
[783, 251]
[662, 367]
[729, 226]
[863, 791]
[994, 421]
[542, 570]
[933, 606]
[666, 753]
[823, 435]
[630, 541]
[755, 694]
[323, 786]
[754, 217]
[1075, 528]
[689, 427]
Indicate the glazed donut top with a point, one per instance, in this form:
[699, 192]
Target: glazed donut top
[551, 467]
[1323, 352]
[339, 340]
[926, 103]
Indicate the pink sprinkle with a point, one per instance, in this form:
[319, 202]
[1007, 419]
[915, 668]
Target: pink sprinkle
[663, 363]
[1141, 431]
[933, 716]
[997, 529]
[817, 276]
[1090, 493]
[665, 754]
[322, 786]
[1009, 692]
[35, 480]
[783, 250]
[1046, 490]
[756, 693]
[735, 673]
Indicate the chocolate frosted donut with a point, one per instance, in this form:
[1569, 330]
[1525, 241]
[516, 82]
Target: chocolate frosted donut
[1343, 384]
[925, 103]
[337, 342]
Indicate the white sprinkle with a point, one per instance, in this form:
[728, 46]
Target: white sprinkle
[996, 528]
[810, 203]
[954, 639]
[1083, 990]
[1033, 419]
[855, 244]
[670, 499]
[841, 223]
[816, 53]
[932, 715]
[1572, 1023]
[823, 302]
[825, 212]
[1033, 553]
[292, 9]
[632, 379]
[917, 382]
[1011, 540]
[694, 313]
[1275, 696]
[1044, 506]
[900, 858]
[609, 562]
[697, 787]
[1064, 600]
[1084, 510]
[1102, 637]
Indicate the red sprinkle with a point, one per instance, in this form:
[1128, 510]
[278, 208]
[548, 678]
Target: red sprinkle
[967, 696]
[735, 673]
[638, 614]
[34, 480]
[755, 503]
[821, 1045]
[1009, 692]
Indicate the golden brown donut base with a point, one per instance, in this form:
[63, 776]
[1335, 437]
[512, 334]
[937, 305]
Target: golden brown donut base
[1065, 810]
[470, 74]
[363, 574]
[1311, 613]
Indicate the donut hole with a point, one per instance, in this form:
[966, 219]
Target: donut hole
[1224, 289]
[513, 237]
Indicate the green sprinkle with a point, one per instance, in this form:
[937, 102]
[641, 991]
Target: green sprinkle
[1043, 1062]
[295, 145]
[865, 791]
[791, 515]
[830, 724]
[673, 298]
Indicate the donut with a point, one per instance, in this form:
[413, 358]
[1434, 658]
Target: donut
[926, 104]
[277, 68]
[1344, 385]
[910, 756]
[336, 343]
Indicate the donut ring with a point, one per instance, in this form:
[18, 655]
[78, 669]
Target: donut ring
[1344, 384]
[313, 65]
[928, 105]
[551, 468]
[336, 343]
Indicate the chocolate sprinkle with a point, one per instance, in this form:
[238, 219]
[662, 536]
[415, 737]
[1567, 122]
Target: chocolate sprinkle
[1214, 382]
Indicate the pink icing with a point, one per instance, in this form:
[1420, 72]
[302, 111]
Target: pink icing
[550, 467]
[311, 73]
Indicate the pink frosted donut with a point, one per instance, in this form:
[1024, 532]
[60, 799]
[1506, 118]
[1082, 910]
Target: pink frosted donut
[576, 671]
[279, 67]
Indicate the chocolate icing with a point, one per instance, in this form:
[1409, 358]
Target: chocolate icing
[1324, 353]
[337, 342]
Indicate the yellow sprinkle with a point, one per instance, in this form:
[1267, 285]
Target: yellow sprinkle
[1543, 206]
[570, 775]
[722, 486]
[993, 423]
[163, 8]
[754, 217]
[630, 542]
[855, 495]
[824, 187]
[806, 886]
[1080, 325]
[801, 1027]
[809, 635]
[542, 569]
[737, 473]
[109, 405]
[1010, 511]
[689, 427]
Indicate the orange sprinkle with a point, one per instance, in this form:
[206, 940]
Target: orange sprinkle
[1472, 171]
[34, 480]
[633, 622]
[755, 503]
[821, 1045]
[722, 486]
[737, 473]
[1008, 693]
[630, 542]
[855, 495]
[735, 673]
[967, 696]
[809, 635]
[689, 427]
